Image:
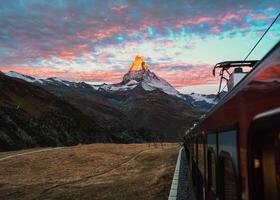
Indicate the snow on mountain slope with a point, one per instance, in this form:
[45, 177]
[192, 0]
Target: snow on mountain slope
[48, 81]
[118, 87]
[146, 79]
[201, 101]
[151, 82]
[211, 99]
[23, 77]
[58, 81]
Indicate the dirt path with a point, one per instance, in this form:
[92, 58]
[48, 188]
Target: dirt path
[26, 153]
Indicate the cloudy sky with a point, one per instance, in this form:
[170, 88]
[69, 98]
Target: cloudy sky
[96, 40]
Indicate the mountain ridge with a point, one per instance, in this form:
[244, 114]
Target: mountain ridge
[200, 101]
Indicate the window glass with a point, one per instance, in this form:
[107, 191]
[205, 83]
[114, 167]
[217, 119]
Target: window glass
[228, 169]
[228, 143]
[212, 171]
[212, 162]
[212, 142]
[229, 183]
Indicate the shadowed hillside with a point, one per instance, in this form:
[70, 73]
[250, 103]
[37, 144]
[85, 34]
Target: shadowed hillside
[31, 116]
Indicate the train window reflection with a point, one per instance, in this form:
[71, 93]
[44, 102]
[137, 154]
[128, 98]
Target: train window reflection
[228, 184]
[228, 143]
[211, 160]
[212, 170]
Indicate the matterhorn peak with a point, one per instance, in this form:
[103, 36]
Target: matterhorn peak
[137, 70]
[139, 74]
[138, 64]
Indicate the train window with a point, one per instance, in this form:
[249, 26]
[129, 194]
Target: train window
[228, 182]
[212, 170]
[228, 165]
[211, 161]
[228, 143]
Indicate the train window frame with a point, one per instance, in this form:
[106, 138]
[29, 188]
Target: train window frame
[226, 155]
[220, 147]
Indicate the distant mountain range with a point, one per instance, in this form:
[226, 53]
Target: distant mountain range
[143, 78]
[142, 107]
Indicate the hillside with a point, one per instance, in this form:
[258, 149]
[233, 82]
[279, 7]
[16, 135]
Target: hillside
[30, 116]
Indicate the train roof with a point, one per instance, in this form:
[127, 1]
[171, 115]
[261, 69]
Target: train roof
[261, 83]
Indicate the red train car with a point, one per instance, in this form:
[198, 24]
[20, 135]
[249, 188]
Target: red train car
[234, 151]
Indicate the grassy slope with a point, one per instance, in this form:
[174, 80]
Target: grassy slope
[96, 171]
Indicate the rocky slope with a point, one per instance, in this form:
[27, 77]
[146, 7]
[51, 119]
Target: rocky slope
[31, 116]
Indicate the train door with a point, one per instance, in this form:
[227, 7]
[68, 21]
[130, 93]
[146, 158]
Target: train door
[264, 156]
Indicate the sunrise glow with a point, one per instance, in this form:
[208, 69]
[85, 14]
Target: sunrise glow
[95, 41]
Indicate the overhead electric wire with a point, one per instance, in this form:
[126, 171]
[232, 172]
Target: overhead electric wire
[262, 36]
[218, 96]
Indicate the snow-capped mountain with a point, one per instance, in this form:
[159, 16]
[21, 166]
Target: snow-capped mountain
[138, 75]
[201, 101]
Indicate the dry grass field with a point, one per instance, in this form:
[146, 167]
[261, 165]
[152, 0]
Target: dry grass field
[95, 171]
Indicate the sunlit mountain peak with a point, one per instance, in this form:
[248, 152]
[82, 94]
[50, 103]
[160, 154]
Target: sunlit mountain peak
[138, 64]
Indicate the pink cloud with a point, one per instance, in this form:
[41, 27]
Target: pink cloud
[187, 78]
[103, 57]
[120, 9]
[193, 21]
[270, 8]
[260, 17]
[215, 29]
[230, 16]
[198, 74]
[259, 32]
[98, 35]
